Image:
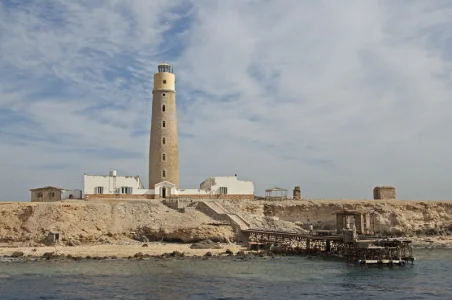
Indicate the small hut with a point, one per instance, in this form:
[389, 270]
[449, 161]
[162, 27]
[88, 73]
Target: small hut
[52, 237]
[53, 194]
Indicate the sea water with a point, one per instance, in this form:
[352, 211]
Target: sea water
[228, 278]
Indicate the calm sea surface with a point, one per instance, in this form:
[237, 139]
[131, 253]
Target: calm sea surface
[279, 278]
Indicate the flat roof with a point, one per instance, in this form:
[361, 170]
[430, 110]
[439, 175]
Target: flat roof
[275, 189]
[108, 175]
[47, 188]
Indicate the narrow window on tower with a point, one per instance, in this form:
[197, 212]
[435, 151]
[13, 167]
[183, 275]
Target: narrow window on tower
[164, 81]
[163, 141]
[163, 173]
[163, 107]
[164, 157]
[163, 124]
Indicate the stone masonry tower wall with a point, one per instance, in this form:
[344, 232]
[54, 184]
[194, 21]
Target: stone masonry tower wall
[164, 148]
[384, 192]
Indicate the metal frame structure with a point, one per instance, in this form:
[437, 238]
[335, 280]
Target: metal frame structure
[276, 193]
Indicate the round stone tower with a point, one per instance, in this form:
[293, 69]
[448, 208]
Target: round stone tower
[164, 149]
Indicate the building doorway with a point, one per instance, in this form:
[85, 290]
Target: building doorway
[166, 192]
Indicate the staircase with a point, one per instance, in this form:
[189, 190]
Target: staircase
[239, 221]
[219, 209]
[216, 211]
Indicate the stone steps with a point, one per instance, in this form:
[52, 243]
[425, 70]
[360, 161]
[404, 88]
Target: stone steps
[222, 213]
[239, 221]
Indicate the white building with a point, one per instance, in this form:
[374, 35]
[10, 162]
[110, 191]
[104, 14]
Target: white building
[227, 185]
[130, 187]
[111, 185]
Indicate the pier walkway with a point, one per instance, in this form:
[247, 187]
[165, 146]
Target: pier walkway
[359, 249]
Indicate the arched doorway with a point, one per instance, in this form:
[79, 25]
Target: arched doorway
[163, 192]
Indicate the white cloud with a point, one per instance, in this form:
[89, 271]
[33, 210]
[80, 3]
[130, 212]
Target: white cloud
[335, 98]
[333, 79]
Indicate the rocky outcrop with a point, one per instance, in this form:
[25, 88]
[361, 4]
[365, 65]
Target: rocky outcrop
[393, 217]
[206, 244]
[113, 221]
[105, 222]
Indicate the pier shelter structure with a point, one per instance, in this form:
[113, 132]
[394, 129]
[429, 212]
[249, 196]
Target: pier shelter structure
[354, 241]
[368, 251]
[276, 193]
[363, 221]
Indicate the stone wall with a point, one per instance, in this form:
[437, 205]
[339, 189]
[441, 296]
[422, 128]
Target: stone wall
[173, 197]
[225, 197]
[118, 196]
[384, 192]
[177, 203]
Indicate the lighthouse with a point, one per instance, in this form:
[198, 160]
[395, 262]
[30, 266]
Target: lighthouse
[164, 146]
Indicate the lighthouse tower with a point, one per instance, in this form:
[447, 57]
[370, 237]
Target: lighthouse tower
[164, 149]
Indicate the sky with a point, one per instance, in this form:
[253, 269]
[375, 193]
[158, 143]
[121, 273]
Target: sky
[336, 97]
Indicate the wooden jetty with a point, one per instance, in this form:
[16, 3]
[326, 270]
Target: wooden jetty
[357, 245]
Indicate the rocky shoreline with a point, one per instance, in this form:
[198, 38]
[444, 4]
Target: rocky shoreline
[156, 251]
[202, 250]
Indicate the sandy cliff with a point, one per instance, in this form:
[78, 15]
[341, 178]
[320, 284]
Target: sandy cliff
[394, 216]
[86, 222]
